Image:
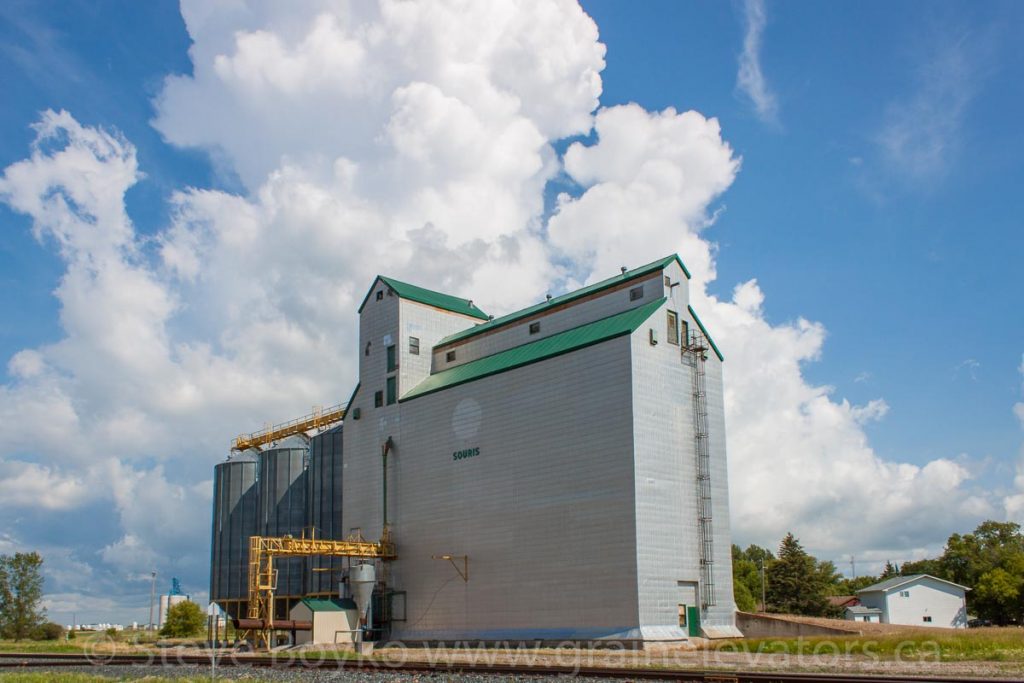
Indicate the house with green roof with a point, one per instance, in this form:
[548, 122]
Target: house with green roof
[570, 449]
[332, 621]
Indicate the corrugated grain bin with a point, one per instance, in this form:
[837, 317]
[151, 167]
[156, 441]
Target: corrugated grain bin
[282, 507]
[234, 521]
[325, 472]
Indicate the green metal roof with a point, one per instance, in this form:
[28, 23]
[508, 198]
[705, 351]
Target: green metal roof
[570, 296]
[705, 331]
[321, 605]
[428, 297]
[542, 349]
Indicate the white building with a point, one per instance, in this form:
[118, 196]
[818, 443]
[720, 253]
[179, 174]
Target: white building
[556, 473]
[332, 621]
[917, 600]
[862, 613]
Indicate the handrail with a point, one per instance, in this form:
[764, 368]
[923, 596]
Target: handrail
[320, 418]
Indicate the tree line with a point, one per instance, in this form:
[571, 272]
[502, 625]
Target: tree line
[22, 615]
[989, 561]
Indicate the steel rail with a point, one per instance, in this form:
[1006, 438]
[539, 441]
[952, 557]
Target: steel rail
[298, 660]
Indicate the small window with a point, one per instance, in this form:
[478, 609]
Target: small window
[367, 351]
[380, 295]
[668, 281]
[686, 333]
[636, 293]
[414, 346]
[392, 354]
[356, 413]
[927, 620]
[673, 328]
[378, 399]
[392, 389]
[653, 336]
[904, 594]
[535, 327]
[450, 356]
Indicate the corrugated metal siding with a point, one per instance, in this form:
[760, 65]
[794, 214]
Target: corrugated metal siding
[326, 464]
[544, 511]
[428, 325]
[668, 547]
[570, 340]
[282, 511]
[724, 613]
[636, 273]
[553, 321]
[361, 486]
[235, 501]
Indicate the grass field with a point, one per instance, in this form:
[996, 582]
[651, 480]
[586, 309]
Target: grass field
[34, 646]
[981, 645]
[51, 677]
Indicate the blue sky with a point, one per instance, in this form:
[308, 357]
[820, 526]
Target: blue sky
[913, 277]
[878, 195]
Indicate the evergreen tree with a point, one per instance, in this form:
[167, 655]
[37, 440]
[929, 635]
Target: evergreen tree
[890, 571]
[21, 592]
[797, 582]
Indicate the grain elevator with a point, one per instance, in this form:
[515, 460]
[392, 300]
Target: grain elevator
[558, 473]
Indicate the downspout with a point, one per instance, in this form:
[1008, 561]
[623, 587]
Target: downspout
[384, 459]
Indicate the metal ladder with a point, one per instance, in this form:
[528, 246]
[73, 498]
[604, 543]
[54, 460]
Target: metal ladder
[695, 355]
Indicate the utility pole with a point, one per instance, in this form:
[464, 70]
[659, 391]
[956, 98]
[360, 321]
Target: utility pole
[763, 606]
[853, 566]
[152, 596]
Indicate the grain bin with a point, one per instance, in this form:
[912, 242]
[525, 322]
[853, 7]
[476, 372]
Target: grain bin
[282, 506]
[324, 498]
[235, 502]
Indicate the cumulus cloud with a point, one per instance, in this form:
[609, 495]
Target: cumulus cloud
[414, 139]
[26, 484]
[750, 79]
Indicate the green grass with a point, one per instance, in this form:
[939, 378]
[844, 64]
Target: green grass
[90, 639]
[33, 646]
[57, 677]
[988, 644]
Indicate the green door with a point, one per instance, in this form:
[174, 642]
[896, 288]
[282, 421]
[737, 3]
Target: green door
[693, 620]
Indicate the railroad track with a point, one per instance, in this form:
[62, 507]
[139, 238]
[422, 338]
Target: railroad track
[57, 660]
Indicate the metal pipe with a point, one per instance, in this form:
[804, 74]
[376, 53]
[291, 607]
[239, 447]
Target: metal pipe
[384, 458]
[152, 595]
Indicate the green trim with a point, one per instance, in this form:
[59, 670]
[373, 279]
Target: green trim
[348, 406]
[705, 331]
[565, 298]
[323, 605]
[427, 296]
[564, 342]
